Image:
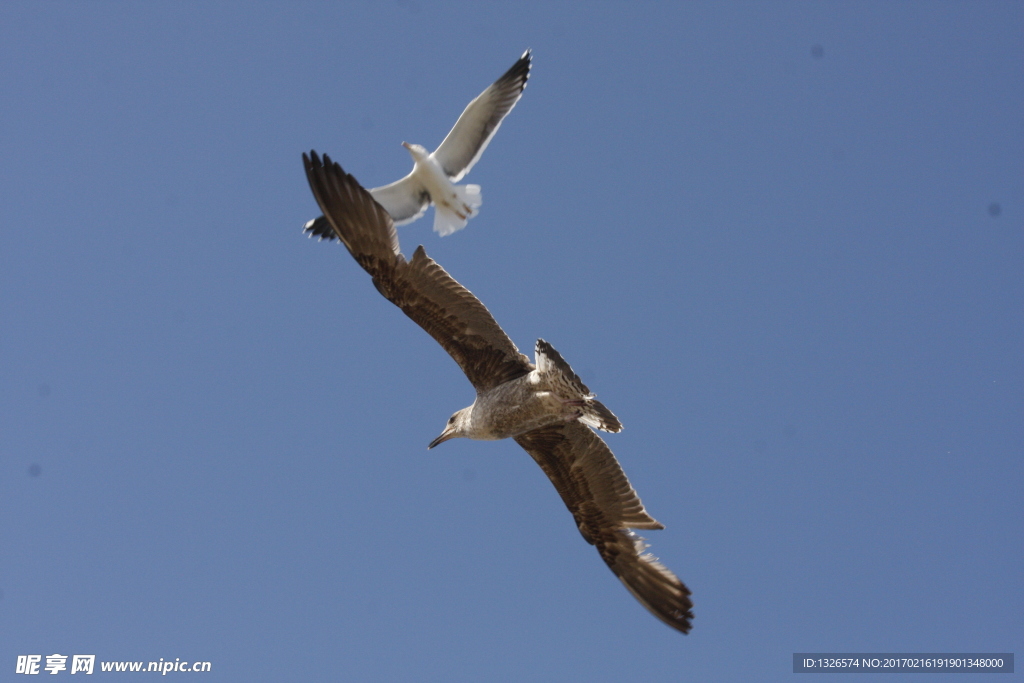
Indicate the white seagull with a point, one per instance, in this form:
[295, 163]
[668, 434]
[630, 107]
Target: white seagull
[433, 176]
[545, 407]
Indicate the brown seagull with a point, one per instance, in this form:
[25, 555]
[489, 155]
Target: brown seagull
[544, 407]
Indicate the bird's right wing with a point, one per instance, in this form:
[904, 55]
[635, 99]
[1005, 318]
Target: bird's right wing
[406, 199]
[595, 489]
[435, 301]
[480, 120]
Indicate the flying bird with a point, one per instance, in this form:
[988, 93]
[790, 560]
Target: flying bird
[433, 176]
[544, 405]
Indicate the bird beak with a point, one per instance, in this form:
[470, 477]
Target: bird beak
[407, 146]
[448, 433]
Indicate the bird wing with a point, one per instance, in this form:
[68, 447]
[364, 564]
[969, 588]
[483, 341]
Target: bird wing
[480, 120]
[405, 200]
[320, 228]
[435, 301]
[595, 489]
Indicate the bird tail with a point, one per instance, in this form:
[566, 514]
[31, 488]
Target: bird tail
[467, 204]
[592, 412]
[596, 415]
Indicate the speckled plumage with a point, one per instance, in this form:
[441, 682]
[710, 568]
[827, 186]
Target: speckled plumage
[545, 407]
[550, 393]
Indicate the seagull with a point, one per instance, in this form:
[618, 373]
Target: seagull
[433, 176]
[544, 405]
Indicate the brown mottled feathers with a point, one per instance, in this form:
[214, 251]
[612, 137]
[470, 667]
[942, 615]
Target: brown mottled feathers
[595, 489]
[456, 319]
[580, 465]
[597, 414]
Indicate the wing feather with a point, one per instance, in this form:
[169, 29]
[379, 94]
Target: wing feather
[593, 486]
[480, 120]
[405, 200]
[579, 464]
[432, 298]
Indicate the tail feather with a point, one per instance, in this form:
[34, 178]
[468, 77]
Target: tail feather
[467, 205]
[593, 412]
[596, 415]
[549, 360]
[470, 196]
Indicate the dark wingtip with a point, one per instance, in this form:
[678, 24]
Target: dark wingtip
[520, 71]
[319, 227]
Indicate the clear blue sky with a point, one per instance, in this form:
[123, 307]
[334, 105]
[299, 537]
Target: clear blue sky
[794, 272]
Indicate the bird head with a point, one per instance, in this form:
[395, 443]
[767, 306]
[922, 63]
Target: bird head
[418, 152]
[458, 426]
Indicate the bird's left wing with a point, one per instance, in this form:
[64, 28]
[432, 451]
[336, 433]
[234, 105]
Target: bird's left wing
[435, 301]
[595, 489]
[480, 120]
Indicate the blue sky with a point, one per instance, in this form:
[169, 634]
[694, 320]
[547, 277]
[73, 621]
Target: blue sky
[782, 241]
